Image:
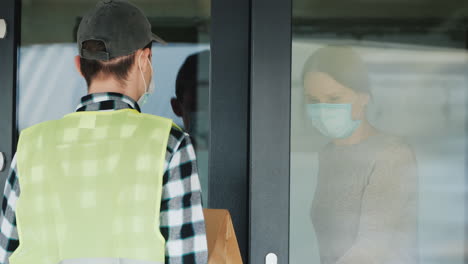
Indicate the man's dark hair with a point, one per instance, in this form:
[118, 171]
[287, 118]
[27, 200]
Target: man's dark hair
[118, 67]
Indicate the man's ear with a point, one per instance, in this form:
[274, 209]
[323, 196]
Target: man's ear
[176, 107]
[145, 58]
[78, 65]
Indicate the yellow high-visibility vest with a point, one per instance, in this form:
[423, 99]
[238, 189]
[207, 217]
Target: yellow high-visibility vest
[91, 186]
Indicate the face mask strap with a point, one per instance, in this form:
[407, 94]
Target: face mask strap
[151, 66]
[141, 72]
[151, 86]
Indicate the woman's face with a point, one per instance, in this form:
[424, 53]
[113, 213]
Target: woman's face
[320, 88]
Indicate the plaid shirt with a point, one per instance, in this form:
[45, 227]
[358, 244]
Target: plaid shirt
[181, 217]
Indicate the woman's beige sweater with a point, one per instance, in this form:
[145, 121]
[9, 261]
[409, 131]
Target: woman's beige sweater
[365, 206]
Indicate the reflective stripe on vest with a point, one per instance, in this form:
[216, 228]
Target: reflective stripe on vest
[91, 186]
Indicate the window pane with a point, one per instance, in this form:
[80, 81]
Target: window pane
[50, 87]
[378, 132]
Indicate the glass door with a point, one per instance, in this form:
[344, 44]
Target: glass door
[8, 42]
[379, 139]
[50, 87]
[372, 165]
[39, 82]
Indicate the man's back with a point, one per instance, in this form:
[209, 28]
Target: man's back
[109, 181]
[103, 170]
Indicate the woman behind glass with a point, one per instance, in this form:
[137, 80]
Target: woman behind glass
[365, 206]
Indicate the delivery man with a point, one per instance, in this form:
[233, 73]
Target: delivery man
[106, 184]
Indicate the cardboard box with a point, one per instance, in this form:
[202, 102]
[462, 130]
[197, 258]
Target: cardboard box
[222, 241]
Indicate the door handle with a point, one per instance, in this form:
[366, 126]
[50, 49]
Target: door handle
[2, 161]
[3, 28]
[271, 258]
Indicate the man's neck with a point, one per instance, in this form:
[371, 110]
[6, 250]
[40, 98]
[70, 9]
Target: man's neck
[111, 86]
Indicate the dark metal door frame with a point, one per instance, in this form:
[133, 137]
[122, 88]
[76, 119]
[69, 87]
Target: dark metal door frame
[9, 10]
[229, 114]
[270, 129]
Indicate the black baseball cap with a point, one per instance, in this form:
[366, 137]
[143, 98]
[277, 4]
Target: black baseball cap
[120, 25]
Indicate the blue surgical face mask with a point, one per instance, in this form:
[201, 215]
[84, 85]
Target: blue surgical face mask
[148, 89]
[333, 120]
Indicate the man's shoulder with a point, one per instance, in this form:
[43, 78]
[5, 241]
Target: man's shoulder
[159, 119]
[177, 132]
[177, 137]
[34, 129]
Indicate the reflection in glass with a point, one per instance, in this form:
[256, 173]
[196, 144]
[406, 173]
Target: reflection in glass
[378, 153]
[364, 209]
[191, 104]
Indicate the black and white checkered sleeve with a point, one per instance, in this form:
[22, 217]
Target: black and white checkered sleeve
[182, 221]
[8, 231]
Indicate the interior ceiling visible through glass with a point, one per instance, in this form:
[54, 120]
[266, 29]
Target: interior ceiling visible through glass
[379, 8]
[50, 21]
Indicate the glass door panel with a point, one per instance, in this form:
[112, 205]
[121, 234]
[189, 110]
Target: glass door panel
[49, 85]
[378, 133]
